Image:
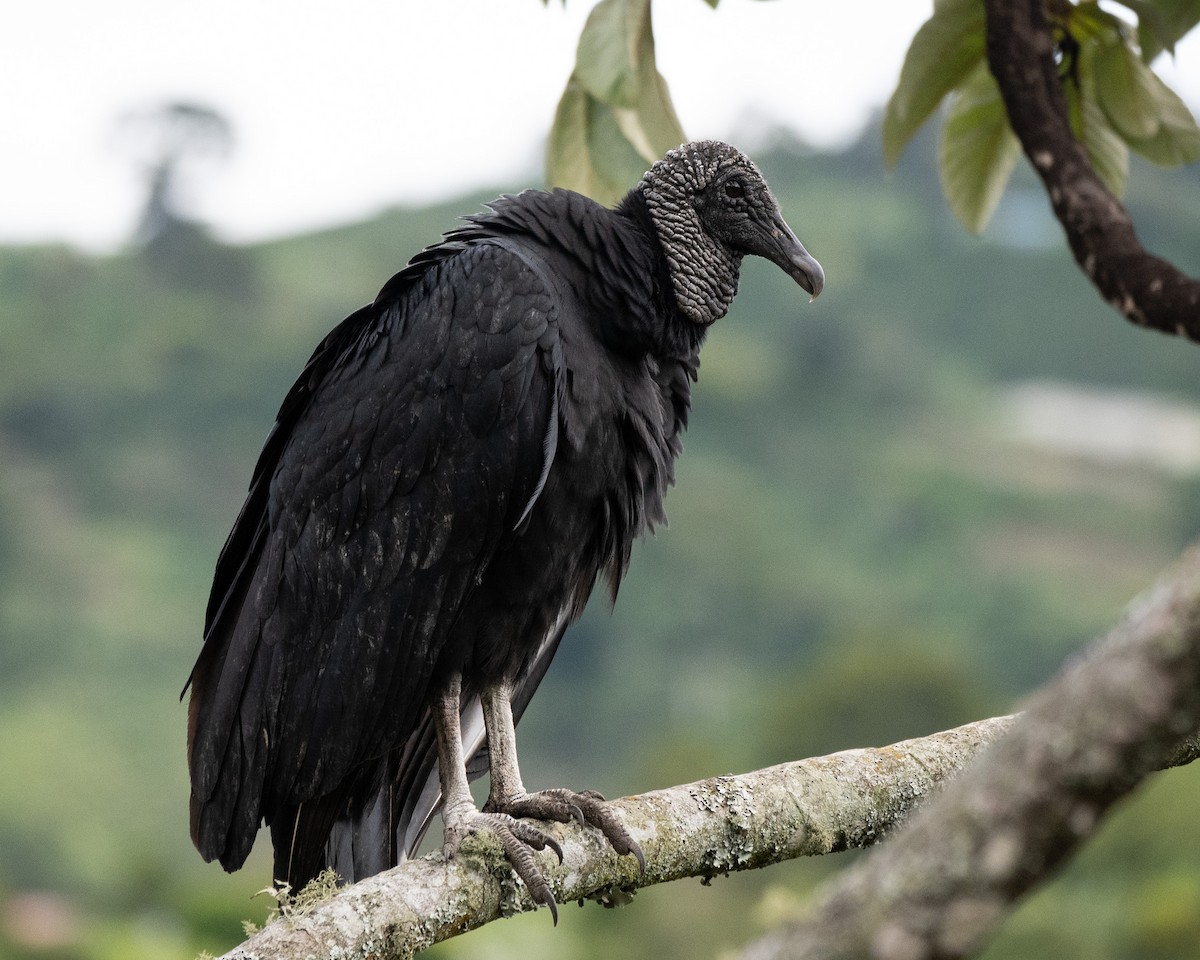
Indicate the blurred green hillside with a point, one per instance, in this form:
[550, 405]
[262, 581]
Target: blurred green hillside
[863, 547]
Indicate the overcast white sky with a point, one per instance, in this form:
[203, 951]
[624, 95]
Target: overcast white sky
[343, 108]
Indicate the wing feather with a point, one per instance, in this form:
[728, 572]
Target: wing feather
[403, 455]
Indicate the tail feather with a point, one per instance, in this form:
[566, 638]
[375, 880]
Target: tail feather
[298, 834]
[394, 821]
[406, 794]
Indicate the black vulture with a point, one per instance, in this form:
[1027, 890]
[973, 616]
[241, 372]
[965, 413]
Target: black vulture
[455, 467]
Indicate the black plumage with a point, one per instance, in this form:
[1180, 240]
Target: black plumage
[455, 467]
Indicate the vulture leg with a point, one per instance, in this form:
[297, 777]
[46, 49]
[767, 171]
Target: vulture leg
[508, 794]
[458, 808]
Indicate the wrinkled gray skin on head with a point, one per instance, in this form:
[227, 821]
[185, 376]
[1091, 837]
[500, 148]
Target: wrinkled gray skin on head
[711, 207]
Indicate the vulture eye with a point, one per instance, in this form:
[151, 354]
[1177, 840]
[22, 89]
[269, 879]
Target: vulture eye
[735, 190]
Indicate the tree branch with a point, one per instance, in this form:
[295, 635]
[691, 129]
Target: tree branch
[811, 807]
[1148, 290]
[942, 885]
[702, 829]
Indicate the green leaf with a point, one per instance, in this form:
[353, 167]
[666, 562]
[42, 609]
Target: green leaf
[977, 151]
[1143, 110]
[587, 150]
[1177, 140]
[1154, 30]
[1105, 148]
[616, 116]
[1125, 89]
[607, 59]
[652, 128]
[1088, 22]
[651, 125]
[945, 49]
[1162, 22]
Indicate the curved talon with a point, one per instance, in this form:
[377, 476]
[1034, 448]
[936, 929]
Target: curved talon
[519, 838]
[602, 817]
[526, 869]
[549, 901]
[586, 807]
[530, 835]
[565, 803]
[555, 805]
[513, 836]
[641, 857]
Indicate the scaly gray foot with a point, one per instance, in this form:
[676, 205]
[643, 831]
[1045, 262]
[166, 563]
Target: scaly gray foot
[585, 807]
[516, 837]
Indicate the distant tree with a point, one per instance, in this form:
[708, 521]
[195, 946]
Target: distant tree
[175, 144]
[170, 141]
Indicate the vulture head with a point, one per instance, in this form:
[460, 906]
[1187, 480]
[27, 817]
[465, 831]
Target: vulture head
[711, 207]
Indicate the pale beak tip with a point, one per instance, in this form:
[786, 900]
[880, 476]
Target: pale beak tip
[808, 273]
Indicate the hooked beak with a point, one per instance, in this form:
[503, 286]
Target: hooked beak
[781, 247]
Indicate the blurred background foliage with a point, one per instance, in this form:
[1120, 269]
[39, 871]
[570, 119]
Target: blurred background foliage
[869, 541]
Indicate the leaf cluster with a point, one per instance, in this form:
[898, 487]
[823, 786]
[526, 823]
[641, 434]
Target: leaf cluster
[1115, 100]
[615, 115]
